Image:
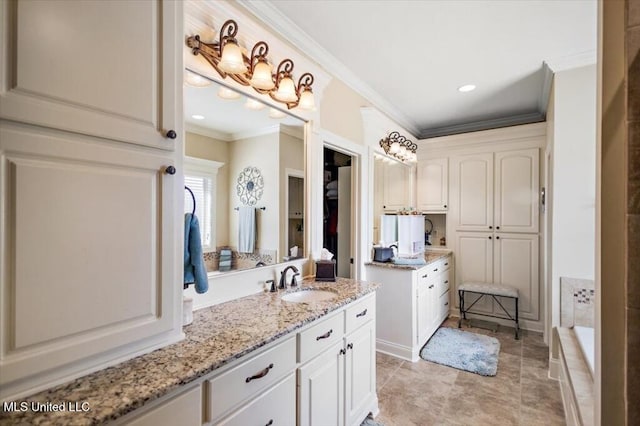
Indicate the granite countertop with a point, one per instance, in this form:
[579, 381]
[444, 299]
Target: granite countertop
[217, 336]
[430, 256]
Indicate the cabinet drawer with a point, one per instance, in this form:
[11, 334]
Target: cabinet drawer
[446, 263]
[250, 377]
[321, 336]
[361, 312]
[444, 282]
[276, 406]
[184, 409]
[443, 306]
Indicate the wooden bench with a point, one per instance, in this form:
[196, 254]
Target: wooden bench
[492, 290]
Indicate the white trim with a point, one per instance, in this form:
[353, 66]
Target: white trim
[395, 350]
[554, 368]
[202, 165]
[547, 81]
[208, 169]
[281, 24]
[568, 62]
[204, 131]
[494, 136]
[256, 132]
[476, 126]
[293, 131]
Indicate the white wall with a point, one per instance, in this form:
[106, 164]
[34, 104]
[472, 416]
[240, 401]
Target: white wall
[572, 134]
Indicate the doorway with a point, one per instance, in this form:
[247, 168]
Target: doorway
[337, 217]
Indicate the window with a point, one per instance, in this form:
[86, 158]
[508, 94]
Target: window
[200, 176]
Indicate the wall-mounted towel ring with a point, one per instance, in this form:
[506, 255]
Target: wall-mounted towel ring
[257, 208]
[193, 197]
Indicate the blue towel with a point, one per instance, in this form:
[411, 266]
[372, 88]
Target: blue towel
[247, 229]
[194, 269]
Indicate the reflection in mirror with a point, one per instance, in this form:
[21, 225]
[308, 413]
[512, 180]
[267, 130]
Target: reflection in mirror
[245, 164]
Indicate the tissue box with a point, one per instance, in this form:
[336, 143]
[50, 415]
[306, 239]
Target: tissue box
[325, 270]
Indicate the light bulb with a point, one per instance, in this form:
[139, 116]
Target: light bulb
[262, 78]
[194, 80]
[286, 90]
[253, 104]
[394, 148]
[306, 100]
[226, 93]
[276, 113]
[232, 61]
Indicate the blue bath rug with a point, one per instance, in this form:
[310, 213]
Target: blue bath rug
[466, 351]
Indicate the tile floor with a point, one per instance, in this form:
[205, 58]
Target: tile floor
[425, 393]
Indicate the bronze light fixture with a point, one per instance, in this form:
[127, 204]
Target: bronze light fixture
[399, 147]
[226, 57]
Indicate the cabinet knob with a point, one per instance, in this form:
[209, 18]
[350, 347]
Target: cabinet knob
[490, 227]
[342, 351]
[171, 134]
[170, 170]
[350, 346]
[445, 206]
[497, 237]
[490, 237]
[270, 422]
[497, 227]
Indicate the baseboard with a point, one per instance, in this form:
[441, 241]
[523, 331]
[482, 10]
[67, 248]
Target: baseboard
[554, 369]
[395, 350]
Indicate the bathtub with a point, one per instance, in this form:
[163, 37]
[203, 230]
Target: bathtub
[586, 339]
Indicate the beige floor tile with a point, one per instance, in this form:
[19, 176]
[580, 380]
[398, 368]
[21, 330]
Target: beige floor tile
[474, 405]
[531, 417]
[542, 395]
[386, 365]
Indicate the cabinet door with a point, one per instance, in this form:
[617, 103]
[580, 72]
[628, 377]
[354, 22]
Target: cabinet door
[473, 178]
[432, 185]
[89, 252]
[321, 389]
[397, 187]
[516, 191]
[183, 410]
[474, 263]
[106, 69]
[360, 383]
[516, 265]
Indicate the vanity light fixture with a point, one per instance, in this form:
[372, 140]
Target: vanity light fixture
[197, 117]
[399, 147]
[276, 113]
[227, 58]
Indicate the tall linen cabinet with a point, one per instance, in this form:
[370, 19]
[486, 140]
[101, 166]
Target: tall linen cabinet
[90, 220]
[494, 216]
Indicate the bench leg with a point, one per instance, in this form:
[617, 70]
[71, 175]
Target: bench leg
[461, 304]
[517, 325]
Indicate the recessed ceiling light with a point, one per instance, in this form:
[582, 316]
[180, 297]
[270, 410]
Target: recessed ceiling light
[466, 88]
[197, 117]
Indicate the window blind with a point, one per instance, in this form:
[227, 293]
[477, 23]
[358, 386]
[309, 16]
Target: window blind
[201, 187]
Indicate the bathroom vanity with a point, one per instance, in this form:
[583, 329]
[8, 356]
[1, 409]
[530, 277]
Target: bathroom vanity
[254, 360]
[412, 302]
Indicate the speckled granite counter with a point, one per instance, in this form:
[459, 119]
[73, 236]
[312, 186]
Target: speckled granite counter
[430, 256]
[217, 336]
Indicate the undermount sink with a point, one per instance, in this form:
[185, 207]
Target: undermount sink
[309, 296]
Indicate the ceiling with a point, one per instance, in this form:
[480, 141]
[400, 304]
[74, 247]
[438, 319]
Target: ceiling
[409, 57]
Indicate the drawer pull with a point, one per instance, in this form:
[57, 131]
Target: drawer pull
[435, 270]
[446, 282]
[342, 351]
[431, 286]
[270, 423]
[350, 346]
[361, 314]
[425, 275]
[260, 375]
[446, 264]
[325, 335]
[446, 304]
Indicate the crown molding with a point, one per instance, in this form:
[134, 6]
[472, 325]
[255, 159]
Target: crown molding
[256, 132]
[568, 62]
[210, 133]
[293, 131]
[281, 24]
[547, 81]
[514, 120]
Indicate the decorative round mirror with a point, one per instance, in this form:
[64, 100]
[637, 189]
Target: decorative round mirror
[250, 185]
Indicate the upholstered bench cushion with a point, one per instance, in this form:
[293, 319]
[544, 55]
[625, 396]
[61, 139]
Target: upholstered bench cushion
[489, 288]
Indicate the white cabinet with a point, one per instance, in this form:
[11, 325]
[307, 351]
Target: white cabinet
[407, 307]
[508, 204]
[106, 69]
[502, 258]
[184, 409]
[90, 242]
[338, 385]
[432, 183]
[296, 197]
[396, 187]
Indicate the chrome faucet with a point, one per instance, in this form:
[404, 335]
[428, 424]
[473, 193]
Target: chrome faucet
[283, 277]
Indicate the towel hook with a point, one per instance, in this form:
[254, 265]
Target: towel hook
[193, 197]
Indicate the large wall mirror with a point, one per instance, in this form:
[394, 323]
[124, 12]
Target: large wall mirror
[244, 165]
